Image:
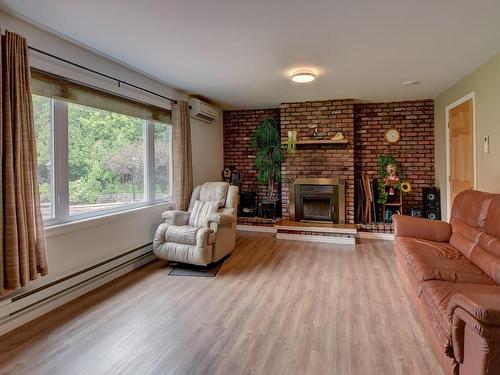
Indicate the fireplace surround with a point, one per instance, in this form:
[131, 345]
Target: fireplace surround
[317, 200]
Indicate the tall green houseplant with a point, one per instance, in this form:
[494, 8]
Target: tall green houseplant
[266, 142]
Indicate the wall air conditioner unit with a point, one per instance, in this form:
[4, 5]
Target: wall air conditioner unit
[202, 111]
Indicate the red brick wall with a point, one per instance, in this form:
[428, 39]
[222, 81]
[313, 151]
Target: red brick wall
[364, 126]
[238, 128]
[415, 150]
[319, 161]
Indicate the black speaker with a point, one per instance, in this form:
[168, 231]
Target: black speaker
[432, 213]
[416, 212]
[431, 203]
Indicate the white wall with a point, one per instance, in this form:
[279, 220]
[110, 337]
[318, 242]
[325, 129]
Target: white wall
[485, 83]
[88, 244]
[208, 150]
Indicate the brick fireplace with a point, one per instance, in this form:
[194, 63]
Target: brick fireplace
[332, 161]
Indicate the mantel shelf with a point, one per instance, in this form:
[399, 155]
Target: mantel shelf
[319, 142]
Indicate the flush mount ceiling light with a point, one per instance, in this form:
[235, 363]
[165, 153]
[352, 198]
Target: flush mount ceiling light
[303, 76]
[411, 83]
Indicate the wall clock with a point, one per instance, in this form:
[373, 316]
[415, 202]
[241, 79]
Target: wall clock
[392, 135]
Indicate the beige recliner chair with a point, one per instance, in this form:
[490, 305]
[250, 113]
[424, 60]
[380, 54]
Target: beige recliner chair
[177, 241]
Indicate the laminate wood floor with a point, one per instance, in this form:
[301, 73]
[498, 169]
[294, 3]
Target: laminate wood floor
[275, 307]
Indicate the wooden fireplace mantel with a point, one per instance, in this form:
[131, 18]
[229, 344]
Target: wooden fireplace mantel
[319, 142]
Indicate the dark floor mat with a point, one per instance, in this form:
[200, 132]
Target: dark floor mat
[180, 269]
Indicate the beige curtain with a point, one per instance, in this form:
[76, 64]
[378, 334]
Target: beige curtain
[22, 242]
[182, 159]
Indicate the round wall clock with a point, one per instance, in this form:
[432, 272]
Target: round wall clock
[392, 135]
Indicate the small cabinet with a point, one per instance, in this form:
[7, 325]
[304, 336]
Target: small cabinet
[393, 205]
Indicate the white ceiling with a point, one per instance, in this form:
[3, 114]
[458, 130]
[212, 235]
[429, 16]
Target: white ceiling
[240, 52]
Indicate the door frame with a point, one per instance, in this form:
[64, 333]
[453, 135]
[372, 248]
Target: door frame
[449, 107]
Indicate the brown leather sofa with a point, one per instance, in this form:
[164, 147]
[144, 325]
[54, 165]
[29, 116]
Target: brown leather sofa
[451, 273]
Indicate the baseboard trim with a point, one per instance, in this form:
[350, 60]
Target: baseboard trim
[255, 228]
[376, 236]
[363, 235]
[30, 305]
[314, 238]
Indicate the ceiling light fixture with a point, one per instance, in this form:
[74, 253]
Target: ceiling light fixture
[303, 76]
[411, 83]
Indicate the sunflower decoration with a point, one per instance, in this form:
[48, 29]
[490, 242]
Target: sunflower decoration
[405, 187]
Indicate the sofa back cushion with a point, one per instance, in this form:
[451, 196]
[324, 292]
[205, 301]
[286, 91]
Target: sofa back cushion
[208, 192]
[471, 218]
[493, 220]
[471, 207]
[488, 252]
[201, 213]
[231, 206]
[214, 191]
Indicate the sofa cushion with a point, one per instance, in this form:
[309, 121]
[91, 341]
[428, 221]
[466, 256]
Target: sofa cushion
[214, 191]
[436, 295]
[438, 268]
[434, 298]
[405, 246]
[182, 234]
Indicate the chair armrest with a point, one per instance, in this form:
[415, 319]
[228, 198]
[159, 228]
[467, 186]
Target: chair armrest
[175, 217]
[222, 218]
[202, 236]
[483, 306]
[416, 227]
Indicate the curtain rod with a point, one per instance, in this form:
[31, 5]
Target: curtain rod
[119, 81]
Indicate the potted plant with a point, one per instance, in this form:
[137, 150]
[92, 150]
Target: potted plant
[266, 142]
[389, 176]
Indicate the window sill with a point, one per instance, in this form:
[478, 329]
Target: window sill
[58, 229]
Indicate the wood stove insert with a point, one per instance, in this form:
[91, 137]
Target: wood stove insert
[318, 200]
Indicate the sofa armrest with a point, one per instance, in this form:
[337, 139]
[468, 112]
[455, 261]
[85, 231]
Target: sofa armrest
[480, 313]
[483, 306]
[222, 218]
[475, 332]
[432, 230]
[175, 217]
[476, 346]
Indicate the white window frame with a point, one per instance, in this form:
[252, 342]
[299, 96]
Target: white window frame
[151, 189]
[60, 170]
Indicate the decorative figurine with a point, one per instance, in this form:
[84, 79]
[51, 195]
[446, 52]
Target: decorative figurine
[226, 174]
[291, 141]
[313, 131]
[338, 137]
[236, 178]
[391, 178]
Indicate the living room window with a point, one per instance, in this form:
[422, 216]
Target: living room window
[97, 153]
[43, 131]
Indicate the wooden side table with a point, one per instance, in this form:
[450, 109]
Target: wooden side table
[394, 203]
